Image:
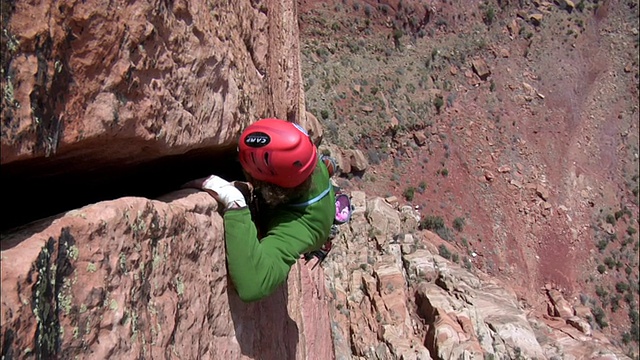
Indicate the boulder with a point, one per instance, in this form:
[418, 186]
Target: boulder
[383, 217]
[357, 160]
[481, 68]
[561, 307]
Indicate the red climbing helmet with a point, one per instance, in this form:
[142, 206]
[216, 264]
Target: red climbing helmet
[278, 152]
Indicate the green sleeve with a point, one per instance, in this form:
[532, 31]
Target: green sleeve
[257, 268]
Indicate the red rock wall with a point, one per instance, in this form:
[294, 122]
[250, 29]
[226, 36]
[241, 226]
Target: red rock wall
[99, 85]
[94, 83]
[136, 278]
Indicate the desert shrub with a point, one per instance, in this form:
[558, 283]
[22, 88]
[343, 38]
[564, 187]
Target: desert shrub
[602, 268]
[602, 244]
[599, 317]
[466, 262]
[422, 186]
[436, 224]
[374, 156]
[458, 224]
[584, 299]
[451, 98]
[431, 222]
[322, 52]
[631, 230]
[445, 233]
[615, 299]
[324, 114]
[438, 102]
[384, 8]
[609, 262]
[601, 292]
[611, 219]
[444, 251]
[409, 193]
[634, 331]
[489, 15]
[397, 34]
[633, 316]
[367, 10]
[622, 287]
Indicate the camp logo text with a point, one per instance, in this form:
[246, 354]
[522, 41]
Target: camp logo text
[257, 139]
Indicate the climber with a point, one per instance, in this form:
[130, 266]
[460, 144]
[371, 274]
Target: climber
[296, 206]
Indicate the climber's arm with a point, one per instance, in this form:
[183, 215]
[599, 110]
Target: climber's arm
[257, 268]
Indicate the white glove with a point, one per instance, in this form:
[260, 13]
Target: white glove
[223, 191]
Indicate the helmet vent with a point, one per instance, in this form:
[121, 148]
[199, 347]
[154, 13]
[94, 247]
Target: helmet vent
[266, 162]
[253, 159]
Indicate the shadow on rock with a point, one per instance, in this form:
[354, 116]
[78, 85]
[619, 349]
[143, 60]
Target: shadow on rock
[14, 236]
[263, 328]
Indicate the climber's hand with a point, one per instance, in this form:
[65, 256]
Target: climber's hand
[221, 190]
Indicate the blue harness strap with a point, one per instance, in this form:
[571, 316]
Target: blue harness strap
[315, 199]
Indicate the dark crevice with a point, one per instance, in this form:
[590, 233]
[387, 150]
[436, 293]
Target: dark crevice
[7, 344]
[39, 190]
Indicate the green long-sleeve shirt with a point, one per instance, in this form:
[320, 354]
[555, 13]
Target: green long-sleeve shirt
[258, 266]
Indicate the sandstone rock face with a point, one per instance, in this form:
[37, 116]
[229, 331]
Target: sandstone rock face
[94, 85]
[394, 297]
[99, 83]
[137, 278]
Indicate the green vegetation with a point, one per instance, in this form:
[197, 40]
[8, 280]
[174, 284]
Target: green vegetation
[601, 292]
[409, 193]
[444, 251]
[436, 224]
[438, 102]
[621, 287]
[602, 269]
[602, 244]
[611, 219]
[599, 317]
[615, 255]
[432, 222]
[422, 186]
[489, 15]
[458, 224]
